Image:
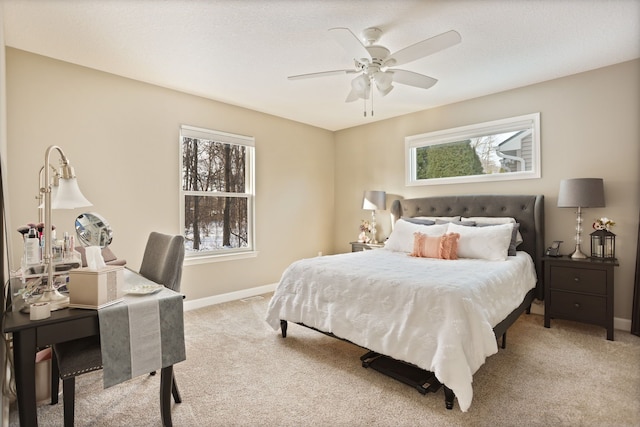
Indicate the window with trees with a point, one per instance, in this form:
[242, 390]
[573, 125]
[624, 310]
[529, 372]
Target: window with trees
[217, 192]
[498, 150]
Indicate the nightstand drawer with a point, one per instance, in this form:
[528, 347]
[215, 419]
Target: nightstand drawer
[579, 279]
[579, 307]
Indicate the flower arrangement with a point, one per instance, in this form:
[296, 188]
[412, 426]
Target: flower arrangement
[603, 223]
[365, 227]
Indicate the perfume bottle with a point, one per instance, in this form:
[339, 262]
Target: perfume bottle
[31, 248]
[66, 248]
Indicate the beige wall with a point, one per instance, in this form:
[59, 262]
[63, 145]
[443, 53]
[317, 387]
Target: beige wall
[122, 138]
[590, 127]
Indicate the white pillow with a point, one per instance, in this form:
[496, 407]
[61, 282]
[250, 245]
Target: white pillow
[490, 243]
[401, 238]
[496, 220]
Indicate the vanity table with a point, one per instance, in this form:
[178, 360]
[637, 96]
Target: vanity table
[73, 323]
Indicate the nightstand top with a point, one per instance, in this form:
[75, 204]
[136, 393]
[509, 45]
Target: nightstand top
[377, 245]
[361, 246]
[568, 259]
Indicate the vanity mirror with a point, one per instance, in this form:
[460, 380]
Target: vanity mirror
[93, 230]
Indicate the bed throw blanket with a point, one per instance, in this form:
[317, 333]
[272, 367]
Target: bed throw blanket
[436, 314]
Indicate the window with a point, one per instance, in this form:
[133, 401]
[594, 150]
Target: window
[498, 150]
[217, 192]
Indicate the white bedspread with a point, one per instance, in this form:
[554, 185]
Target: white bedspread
[436, 314]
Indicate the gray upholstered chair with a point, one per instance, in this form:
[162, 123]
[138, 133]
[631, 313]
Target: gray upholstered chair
[161, 263]
[162, 260]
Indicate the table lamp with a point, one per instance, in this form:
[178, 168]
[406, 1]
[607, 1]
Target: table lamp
[580, 193]
[41, 185]
[372, 201]
[68, 196]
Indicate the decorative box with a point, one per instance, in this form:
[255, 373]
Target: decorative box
[95, 289]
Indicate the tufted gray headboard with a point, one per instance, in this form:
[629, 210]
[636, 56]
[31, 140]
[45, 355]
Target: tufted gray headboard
[528, 210]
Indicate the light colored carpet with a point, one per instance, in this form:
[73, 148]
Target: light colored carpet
[239, 372]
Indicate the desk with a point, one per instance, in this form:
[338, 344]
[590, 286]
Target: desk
[63, 325]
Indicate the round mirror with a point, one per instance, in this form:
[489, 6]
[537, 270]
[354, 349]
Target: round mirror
[93, 230]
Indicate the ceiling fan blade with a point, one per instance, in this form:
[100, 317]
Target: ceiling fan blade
[321, 74]
[424, 48]
[413, 79]
[351, 44]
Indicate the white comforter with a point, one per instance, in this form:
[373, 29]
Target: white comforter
[436, 314]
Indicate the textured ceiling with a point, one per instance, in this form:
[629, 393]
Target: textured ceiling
[241, 52]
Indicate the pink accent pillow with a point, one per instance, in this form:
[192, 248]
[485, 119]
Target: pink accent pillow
[441, 247]
[449, 245]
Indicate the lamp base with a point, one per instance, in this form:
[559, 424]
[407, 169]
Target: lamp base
[374, 232]
[56, 300]
[578, 254]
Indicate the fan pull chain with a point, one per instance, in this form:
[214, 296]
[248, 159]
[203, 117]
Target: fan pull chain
[371, 100]
[364, 106]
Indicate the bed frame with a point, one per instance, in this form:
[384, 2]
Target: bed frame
[528, 210]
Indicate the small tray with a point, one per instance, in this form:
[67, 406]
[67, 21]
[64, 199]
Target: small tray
[143, 289]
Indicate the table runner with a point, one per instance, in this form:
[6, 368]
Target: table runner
[141, 334]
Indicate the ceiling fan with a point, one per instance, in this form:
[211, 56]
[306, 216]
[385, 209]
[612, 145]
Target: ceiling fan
[375, 62]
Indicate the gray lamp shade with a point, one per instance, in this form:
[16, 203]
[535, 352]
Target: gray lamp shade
[581, 193]
[374, 200]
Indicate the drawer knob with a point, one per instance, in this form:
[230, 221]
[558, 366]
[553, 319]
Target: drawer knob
[576, 279]
[576, 305]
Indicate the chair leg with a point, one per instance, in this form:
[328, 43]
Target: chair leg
[69, 397]
[166, 380]
[174, 391]
[55, 378]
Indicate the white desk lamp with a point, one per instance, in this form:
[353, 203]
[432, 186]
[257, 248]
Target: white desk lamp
[68, 196]
[54, 190]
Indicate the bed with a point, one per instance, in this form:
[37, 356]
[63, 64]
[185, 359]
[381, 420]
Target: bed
[445, 316]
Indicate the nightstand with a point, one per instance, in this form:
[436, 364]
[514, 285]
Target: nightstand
[359, 246]
[579, 290]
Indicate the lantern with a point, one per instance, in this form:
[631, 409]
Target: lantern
[603, 244]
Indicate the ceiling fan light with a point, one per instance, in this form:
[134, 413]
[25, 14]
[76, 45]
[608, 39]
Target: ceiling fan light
[353, 96]
[385, 91]
[361, 83]
[383, 79]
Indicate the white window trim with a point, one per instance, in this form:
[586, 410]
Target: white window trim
[470, 131]
[218, 136]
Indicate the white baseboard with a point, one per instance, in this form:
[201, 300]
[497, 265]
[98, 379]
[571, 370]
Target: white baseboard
[622, 324]
[231, 296]
[537, 307]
